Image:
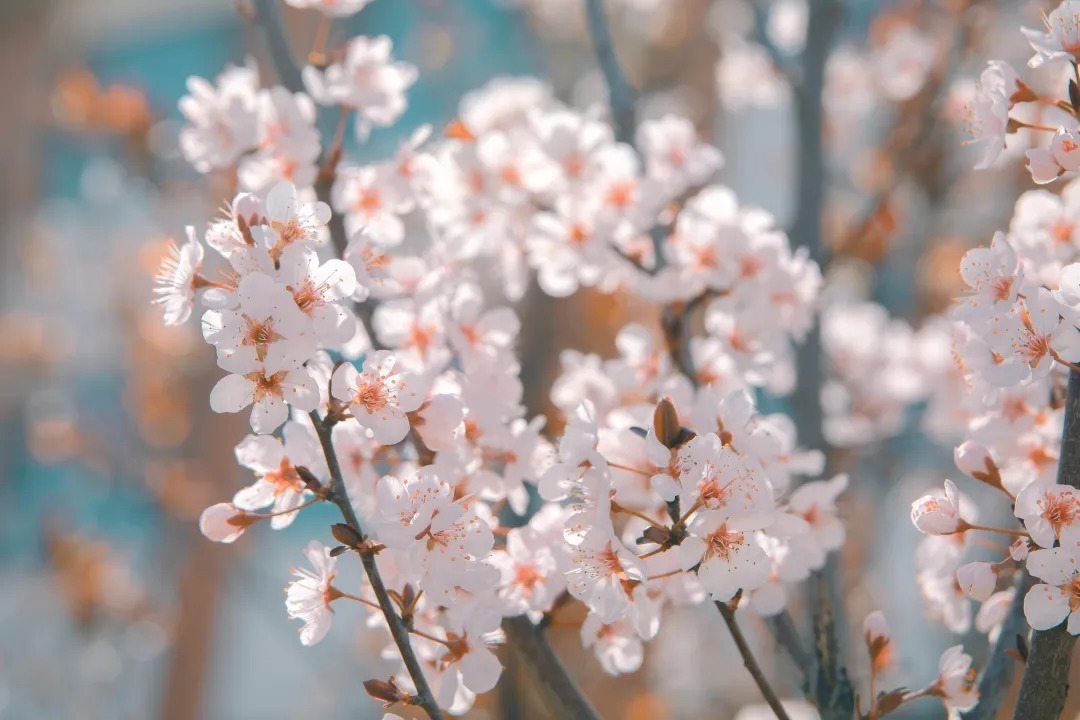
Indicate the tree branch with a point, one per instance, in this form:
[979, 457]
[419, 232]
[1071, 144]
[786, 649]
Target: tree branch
[340, 497]
[268, 15]
[561, 695]
[622, 95]
[1046, 675]
[761, 36]
[997, 674]
[751, 662]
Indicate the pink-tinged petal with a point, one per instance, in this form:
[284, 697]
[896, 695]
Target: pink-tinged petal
[281, 201]
[254, 497]
[268, 414]
[480, 670]
[1045, 607]
[301, 391]
[690, 551]
[231, 394]
[379, 362]
[214, 523]
[1055, 566]
[344, 382]
[285, 503]
[390, 428]
[316, 628]
[260, 453]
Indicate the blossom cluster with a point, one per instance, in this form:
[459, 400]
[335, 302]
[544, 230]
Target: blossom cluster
[365, 312]
[1004, 104]
[1015, 334]
[380, 378]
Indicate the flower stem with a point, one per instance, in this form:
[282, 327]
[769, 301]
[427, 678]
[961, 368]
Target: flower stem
[340, 496]
[751, 662]
[616, 507]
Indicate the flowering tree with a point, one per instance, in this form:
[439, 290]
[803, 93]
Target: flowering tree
[363, 316]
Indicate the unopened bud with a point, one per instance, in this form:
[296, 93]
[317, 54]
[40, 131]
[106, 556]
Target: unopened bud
[346, 535]
[387, 691]
[311, 482]
[974, 459]
[666, 424]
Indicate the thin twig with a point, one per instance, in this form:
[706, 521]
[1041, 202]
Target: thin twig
[340, 497]
[268, 16]
[623, 104]
[751, 662]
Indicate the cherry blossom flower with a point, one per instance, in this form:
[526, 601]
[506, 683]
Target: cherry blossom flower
[274, 463]
[224, 522]
[815, 503]
[603, 574]
[955, 684]
[289, 220]
[616, 644]
[674, 158]
[308, 597]
[1033, 335]
[531, 569]
[373, 202]
[221, 118]
[316, 288]
[288, 143]
[270, 393]
[178, 278]
[988, 121]
[1055, 598]
[993, 612]
[379, 396]
[468, 650]
[726, 553]
[1050, 513]
[936, 515]
[1063, 155]
[267, 329]
[993, 276]
[366, 80]
[446, 540]
[1060, 41]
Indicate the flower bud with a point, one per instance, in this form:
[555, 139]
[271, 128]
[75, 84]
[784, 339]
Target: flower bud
[666, 424]
[975, 460]
[225, 522]
[936, 515]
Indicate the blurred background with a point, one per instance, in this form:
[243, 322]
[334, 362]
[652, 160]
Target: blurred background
[111, 603]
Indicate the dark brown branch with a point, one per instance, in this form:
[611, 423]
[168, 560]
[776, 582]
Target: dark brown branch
[751, 662]
[561, 695]
[340, 497]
